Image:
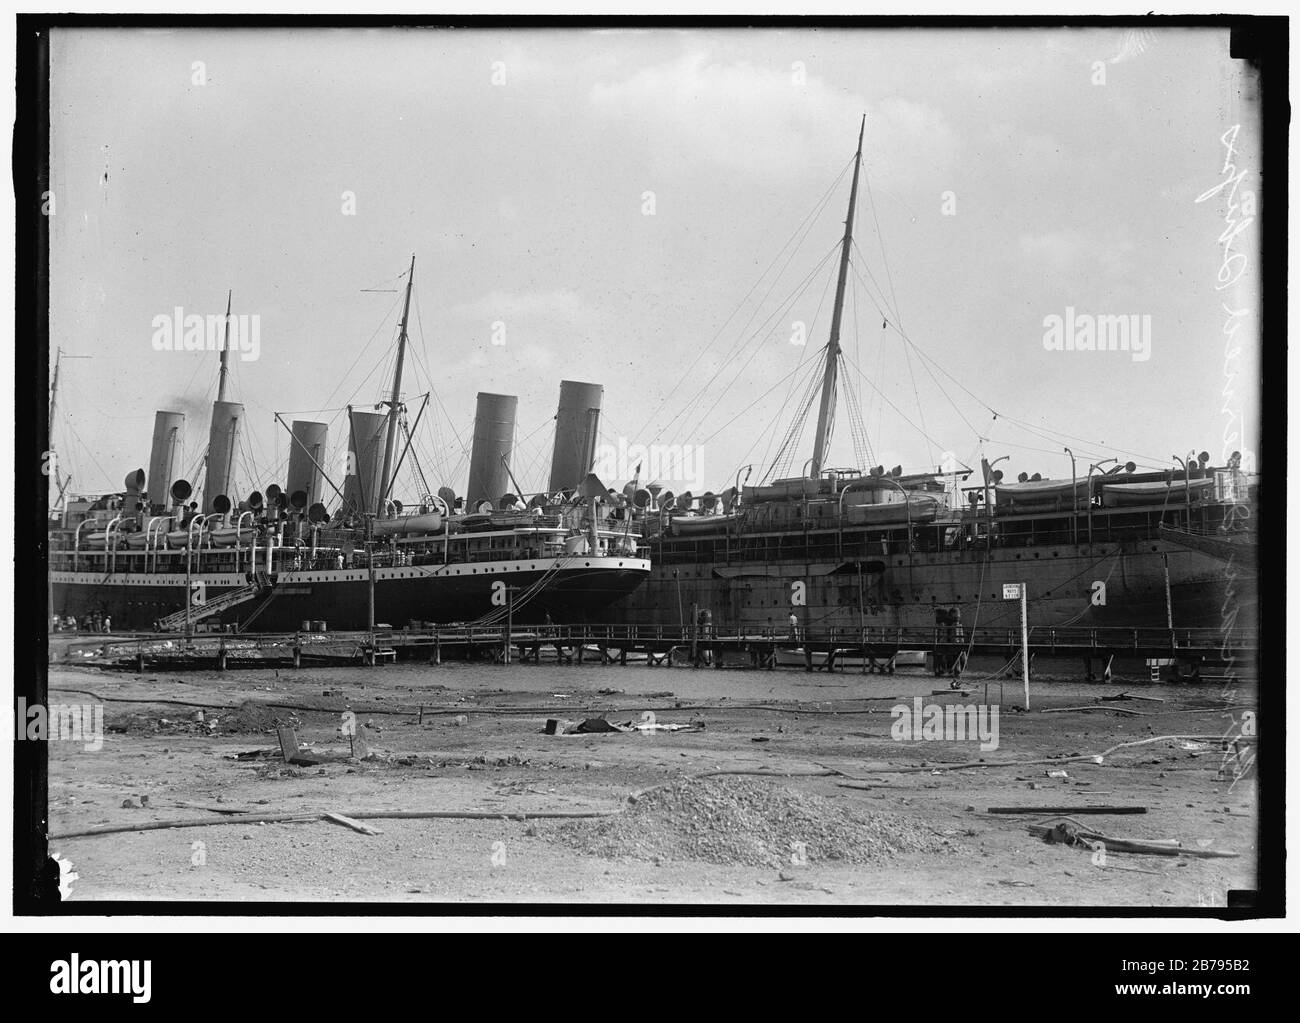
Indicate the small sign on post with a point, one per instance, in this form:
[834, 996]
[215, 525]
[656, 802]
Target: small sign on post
[1018, 591]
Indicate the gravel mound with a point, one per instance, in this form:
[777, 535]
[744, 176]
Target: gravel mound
[251, 717]
[752, 822]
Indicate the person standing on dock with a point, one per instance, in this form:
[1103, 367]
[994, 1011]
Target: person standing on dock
[794, 625]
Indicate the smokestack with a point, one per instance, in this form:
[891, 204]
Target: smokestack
[576, 427]
[494, 433]
[223, 442]
[309, 440]
[366, 447]
[168, 428]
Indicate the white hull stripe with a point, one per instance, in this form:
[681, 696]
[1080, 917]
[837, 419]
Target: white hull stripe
[335, 575]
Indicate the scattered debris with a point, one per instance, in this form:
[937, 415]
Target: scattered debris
[213, 809]
[355, 825]
[289, 749]
[668, 726]
[596, 726]
[253, 754]
[1115, 865]
[1070, 833]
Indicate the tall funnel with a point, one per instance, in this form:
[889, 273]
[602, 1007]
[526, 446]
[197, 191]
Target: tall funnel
[223, 442]
[168, 429]
[366, 462]
[576, 427]
[494, 433]
[308, 444]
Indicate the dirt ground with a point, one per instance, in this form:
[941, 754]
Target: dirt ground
[470, 737]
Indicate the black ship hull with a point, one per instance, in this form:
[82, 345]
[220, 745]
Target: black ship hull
[589, 590]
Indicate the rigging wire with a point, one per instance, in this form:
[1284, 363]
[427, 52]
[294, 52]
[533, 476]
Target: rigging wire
[900, 412]
[810, 219]
[757, 349]
[760, 334]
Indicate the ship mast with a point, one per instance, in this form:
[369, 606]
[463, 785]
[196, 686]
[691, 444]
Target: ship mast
[54, 408]
[826, 413]
[394, 404]
[54, 395]
[225, 354]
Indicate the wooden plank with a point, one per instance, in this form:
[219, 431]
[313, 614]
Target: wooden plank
[1068, 810]
[348, 822]
[1113, 710]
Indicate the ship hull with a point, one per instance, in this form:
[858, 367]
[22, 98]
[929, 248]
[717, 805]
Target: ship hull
[859, 589]
[585, 591]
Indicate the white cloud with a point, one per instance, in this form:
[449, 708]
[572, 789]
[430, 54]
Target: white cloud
[768, 121]
[561, 306]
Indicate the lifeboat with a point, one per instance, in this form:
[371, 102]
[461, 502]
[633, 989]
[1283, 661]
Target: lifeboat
[403, 525]
[230, 536]
[917, 508]
[782, 490]
[1041, 495]
[1119, 495]
[690, 524]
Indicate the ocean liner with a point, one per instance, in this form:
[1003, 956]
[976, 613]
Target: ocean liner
[280, 558]
[869, 547]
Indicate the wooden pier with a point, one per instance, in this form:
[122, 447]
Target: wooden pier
[870, 649]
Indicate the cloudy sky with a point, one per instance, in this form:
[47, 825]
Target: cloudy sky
[657, 211]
